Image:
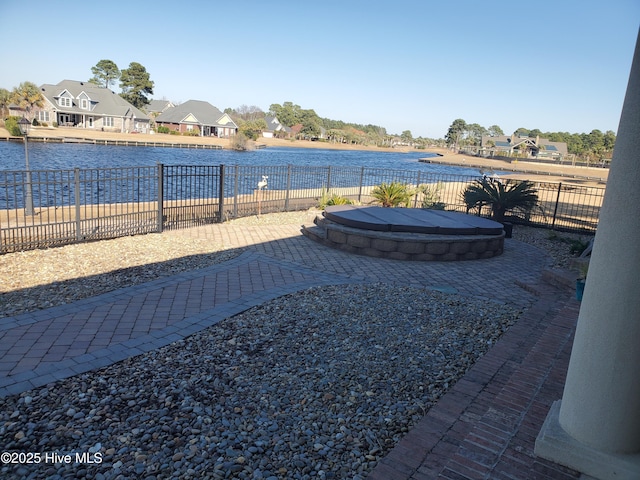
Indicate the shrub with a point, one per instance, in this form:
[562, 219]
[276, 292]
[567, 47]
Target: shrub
[162, 129]
[437, 206]
[429, 196]
[11, 124]
[241, 143]
[394, 194]
[577, 246]
[501, 196]
[327, 199]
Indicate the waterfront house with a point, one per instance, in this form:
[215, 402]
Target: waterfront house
[275, 128]
[527, 147]
[197, 117]
[89, 106]
[156, 107]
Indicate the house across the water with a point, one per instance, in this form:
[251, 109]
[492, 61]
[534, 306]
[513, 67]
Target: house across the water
[89, 106]
[526, 147]
[197, 117]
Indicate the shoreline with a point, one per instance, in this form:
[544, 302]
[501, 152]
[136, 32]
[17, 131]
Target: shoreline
[521, 170]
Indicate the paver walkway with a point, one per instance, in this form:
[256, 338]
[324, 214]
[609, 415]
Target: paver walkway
[491, 416]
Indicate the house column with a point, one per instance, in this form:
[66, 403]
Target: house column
[595, 429]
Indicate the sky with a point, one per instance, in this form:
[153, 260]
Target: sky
[418, 65]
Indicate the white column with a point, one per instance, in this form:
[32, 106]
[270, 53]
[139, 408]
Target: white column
[595, 429]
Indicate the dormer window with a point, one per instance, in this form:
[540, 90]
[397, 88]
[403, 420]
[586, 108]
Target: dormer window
[64, 102]
[84, 104]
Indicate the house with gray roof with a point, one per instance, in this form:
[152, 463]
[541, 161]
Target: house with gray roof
[274, 127]
[86, 105]
[199, 117]
[156, 107]
[525, 146]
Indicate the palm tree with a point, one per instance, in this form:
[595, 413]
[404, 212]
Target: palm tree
[501, 196]
[27, 96]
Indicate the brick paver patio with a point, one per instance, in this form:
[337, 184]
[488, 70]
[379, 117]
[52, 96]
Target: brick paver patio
[483, 428]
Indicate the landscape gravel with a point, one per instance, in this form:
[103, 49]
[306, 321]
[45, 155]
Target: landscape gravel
[318, 384]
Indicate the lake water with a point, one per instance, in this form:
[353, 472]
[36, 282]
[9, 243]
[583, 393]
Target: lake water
[52, 179]
[54, 156]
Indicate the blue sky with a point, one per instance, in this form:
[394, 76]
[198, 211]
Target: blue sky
[418, 65]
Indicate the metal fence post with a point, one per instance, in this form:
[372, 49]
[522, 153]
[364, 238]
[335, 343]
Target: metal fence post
[160, 197]
[415, 198]
[76, 181]
[286, 199]
[328, 178]
[361, 184]
[235, 192]
[221, 196]
[555, 210]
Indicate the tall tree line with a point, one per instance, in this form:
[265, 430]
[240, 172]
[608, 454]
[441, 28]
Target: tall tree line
[290, 114]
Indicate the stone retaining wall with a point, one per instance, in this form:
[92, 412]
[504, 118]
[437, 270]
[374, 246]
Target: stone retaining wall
[404, 246]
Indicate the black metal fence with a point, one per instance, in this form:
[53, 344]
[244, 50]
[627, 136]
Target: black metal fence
[71, 206]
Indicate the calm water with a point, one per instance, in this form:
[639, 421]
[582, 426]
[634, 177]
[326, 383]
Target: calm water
[50, 156]
[53, 181]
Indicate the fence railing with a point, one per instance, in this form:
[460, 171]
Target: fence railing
[71, 206]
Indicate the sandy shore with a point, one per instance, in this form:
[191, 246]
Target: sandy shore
[522, 170]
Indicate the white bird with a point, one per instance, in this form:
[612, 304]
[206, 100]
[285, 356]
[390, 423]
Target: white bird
[263, 183]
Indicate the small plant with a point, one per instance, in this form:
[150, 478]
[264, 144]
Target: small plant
[429, 196]
[328, 199]
[394, 194]
[577, 246]
[437, 206]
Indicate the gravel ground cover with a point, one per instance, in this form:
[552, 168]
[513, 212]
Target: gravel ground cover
[317, 384]
[320, 384]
